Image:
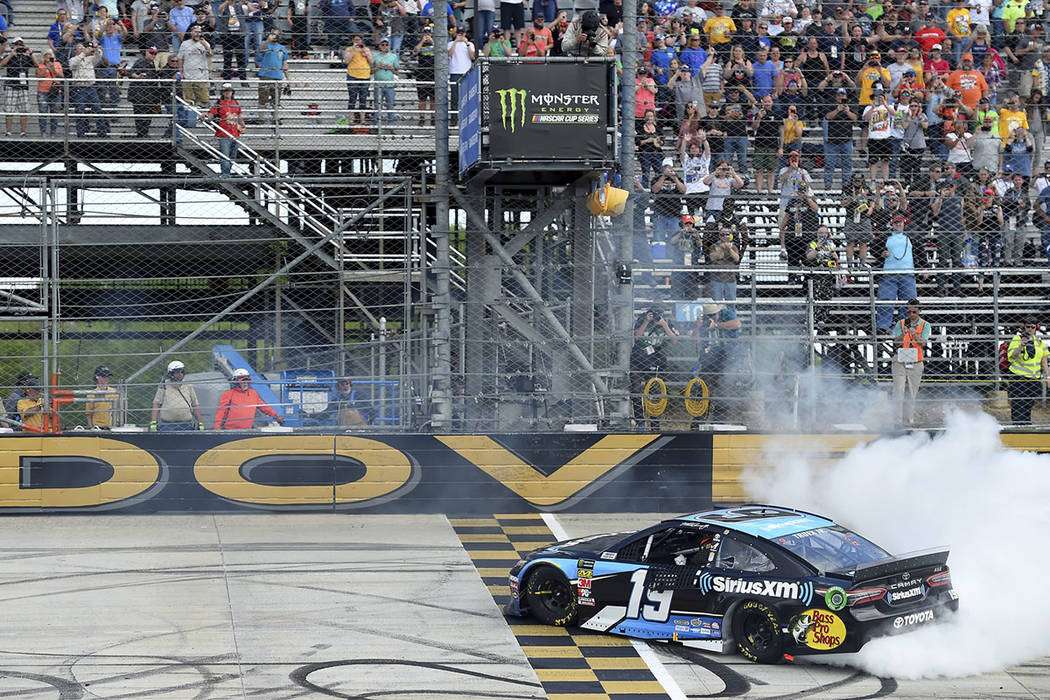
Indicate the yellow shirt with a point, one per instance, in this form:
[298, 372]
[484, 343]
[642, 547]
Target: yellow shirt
[358, 67]
[33, 420]
[1010, 120]
[719, 29]
[869, 76]
[101, 408]
[959, 21]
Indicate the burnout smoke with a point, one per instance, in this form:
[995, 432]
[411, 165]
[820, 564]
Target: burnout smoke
[962, 489]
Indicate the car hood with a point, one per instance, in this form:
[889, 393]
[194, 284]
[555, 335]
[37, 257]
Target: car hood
[590, 547]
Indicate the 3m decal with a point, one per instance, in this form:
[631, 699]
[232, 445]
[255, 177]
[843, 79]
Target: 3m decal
[791, 590]
[583, 471]
[220, 470]
[105, 471]
[819, 629]
[584, 583]
[913, 619]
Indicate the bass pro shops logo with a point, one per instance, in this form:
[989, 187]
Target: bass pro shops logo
[512, 107]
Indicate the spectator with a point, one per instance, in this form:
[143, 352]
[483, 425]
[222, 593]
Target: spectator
[1015, 211]
[142, 90]
[723, 182]
[530, 47]
[765, 74]
[229, 126]
[928, 35]
[959, 142]
[461, 55]
[168, 87]
[180, 18]
[648, 358]
[723, 253]
[585, 36]
[101, 408]
[390, 22]
[815, 69]
[792, 180]
[194, 54]
[898, 68]
[791, 130]
[539, 26]
[1035, 111]
[823, 258]
[230, 33]
[252, 28]
[644, 93]
[111, 43]
[156, 30]
[298, 17]
[338, 23]
[717, 331]
[687, 250]
[736, 133]
[359, 61]
[175, 405]
[936, 65]
[898, 282]
[766, 128]
[989, 230]
[345, 409]
[696, 166]
[512, 18]
[667, 202]
[649, 145]
[689, 89]
[239, 404]
[49, 90]
[797, 226]
[857, 228]
[31, 407]
[1017, 153]
[911, 335]
[719, 28]
[913, 127]
[498, 45]
[425, 76]
[969, 82]
[273, 68]
[558, 28]
[958, 23]
[987, 146]
[947, 209]
[870, 76]
[16, 88]
[54, 34]
[84, 93]
[386, 66]
[23, 380]
[1028, 369]
[880, 121]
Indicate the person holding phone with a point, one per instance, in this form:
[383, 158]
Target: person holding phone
[1028, 368]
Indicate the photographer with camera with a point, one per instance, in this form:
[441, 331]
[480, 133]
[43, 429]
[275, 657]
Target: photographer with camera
[586, 36]
[19, 62]
[1028, 367]
[84, 92]
[648, 358]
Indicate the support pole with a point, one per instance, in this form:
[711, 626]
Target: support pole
[441, 387]
[623, 295]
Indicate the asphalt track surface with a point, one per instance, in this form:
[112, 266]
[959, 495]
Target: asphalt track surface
[346, 606]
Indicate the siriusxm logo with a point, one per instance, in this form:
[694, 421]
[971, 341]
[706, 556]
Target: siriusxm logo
[790, 590]
[917, 592]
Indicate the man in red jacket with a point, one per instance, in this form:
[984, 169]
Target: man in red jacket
[238, 405]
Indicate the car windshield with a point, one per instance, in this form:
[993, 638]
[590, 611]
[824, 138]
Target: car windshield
[833, 548]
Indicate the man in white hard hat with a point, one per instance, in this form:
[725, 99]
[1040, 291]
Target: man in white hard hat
[238, 405]
[175, 406]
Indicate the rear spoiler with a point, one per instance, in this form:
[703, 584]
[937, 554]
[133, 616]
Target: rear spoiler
[898, 565]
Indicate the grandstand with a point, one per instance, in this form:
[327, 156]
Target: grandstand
[323, 251]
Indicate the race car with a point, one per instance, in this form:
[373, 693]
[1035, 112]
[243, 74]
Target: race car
[772, 582]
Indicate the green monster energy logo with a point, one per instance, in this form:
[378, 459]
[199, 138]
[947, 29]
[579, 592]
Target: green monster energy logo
[511, 96]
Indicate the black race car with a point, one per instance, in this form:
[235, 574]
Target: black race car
[775, 582]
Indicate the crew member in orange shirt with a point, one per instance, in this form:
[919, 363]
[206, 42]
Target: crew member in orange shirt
[238, 405]
[969, 82]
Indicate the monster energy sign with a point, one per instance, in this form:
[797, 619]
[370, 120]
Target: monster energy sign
[553, 111]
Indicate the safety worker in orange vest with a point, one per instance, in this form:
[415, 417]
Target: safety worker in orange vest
[1028, 368]
[911, 335]
[237, 406]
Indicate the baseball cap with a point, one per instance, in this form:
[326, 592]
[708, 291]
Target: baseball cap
[793, 153]
[842, 91]
[102, 371]
[967, 57]
[241, 373]
[152, 49]
[17, 40]
[667, 163]
[898, 217]
[687, 219]
[935, 47]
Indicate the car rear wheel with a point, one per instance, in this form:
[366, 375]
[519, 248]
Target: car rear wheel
[550, 597]
[756, 629]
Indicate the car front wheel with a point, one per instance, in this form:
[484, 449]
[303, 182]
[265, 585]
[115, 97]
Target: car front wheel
[550, 597]
[756, 629]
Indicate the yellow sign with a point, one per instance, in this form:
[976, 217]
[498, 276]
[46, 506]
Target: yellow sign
[824, 631]
[519, 476]
[386, 470]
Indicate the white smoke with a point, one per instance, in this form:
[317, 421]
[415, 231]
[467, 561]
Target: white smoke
[960, 488]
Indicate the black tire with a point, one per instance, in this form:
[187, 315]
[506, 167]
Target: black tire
[756, 629]
[550, 597]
